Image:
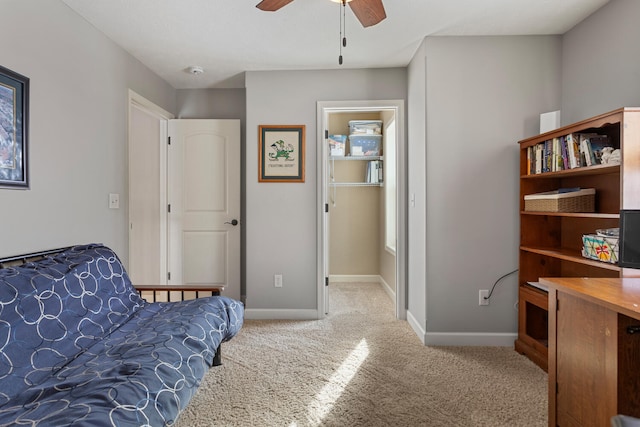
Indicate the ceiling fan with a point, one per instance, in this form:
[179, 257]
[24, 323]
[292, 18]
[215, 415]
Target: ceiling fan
[368, 12]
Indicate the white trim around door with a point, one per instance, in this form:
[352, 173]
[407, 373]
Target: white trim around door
[160, 118]
[324, 108]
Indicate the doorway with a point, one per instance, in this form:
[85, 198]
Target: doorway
[184, 200]
[342, 193]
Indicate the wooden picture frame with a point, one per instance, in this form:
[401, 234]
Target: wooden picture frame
[14, 121]
[281, 153]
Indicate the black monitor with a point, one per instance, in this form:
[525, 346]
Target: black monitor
[629, 244]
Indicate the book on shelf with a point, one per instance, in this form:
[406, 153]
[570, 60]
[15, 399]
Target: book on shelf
[573, 151]
[570, 151]
[539, 156]
[592, 144]
[585, 150]
[596, 144]
[559, 159]
[548, 153]
[564, 153]
[374, 172]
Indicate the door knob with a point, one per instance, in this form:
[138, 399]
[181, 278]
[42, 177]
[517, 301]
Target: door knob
[233, 222]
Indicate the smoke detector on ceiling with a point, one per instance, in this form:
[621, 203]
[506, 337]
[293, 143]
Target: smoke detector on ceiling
[195, 69]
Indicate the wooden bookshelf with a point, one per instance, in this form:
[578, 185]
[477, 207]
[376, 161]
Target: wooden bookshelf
[551, 242]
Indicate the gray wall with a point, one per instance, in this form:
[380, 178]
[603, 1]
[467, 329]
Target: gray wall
[79, 83]
[481, 95]
[281, 221]
[601, 62]
[211, 104]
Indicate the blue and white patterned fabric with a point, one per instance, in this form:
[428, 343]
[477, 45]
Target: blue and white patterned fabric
[78, 346]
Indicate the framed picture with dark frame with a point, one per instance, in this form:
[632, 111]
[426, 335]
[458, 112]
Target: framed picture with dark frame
[281, 153]
[14, 121]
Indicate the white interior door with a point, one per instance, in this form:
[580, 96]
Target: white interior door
[204, 203]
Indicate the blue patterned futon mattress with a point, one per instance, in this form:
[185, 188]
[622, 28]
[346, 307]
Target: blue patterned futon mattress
[78, 346]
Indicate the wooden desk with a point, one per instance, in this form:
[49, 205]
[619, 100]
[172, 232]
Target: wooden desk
[594, 350]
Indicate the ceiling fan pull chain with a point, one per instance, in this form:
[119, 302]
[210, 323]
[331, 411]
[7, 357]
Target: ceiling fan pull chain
[343, 31]
[340, 38]
[344, 23]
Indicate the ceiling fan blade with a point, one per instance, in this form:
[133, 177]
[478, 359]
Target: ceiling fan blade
[368, 12]
[272, 5]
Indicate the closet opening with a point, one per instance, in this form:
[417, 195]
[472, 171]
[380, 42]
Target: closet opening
[361, 180]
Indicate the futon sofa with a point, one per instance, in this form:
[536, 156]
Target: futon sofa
[79, 346]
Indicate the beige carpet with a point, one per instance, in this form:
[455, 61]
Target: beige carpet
[362, 367]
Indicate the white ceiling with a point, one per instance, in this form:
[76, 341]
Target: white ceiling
[228, 37]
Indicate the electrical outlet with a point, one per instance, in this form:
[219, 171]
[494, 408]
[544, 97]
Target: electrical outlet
[277, 280]
[483, 297]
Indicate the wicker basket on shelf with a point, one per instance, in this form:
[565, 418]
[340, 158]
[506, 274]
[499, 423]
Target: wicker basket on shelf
[556, 201]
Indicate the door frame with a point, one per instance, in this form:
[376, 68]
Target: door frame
[138, 101]
[323, 109]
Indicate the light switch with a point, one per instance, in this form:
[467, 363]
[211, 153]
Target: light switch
[114, 201]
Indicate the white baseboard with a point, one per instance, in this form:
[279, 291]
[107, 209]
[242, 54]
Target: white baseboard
[280, 314]
[492, 339]
[416, 327]
[390, 291]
